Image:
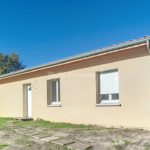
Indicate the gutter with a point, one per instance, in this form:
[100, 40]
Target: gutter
[105, 49]
[148, 45]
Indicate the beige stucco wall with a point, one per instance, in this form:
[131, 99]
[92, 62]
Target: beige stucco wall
[78, 94]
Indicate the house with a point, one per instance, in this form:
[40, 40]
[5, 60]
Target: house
[109, 86]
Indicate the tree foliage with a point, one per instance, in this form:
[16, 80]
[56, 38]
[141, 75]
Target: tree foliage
[10, 63]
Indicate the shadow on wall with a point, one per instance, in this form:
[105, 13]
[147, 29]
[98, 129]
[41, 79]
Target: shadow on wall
[100, 60]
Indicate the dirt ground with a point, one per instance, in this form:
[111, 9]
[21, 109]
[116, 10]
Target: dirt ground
[100, 138]
[16, 141]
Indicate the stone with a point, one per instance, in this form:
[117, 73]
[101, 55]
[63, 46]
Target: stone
[63, 141]
[31, 133]
[51, 138]
[39, 136]
[79, 146]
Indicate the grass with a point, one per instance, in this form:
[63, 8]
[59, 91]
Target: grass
[127, 142]
[43, 123]
[23, 141]
[3, 145]
[3, 120]
[114, 141]
[147, 147]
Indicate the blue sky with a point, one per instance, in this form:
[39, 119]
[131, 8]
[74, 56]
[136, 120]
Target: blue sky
[46, 30]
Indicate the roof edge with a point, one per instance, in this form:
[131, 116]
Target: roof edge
[97, 51]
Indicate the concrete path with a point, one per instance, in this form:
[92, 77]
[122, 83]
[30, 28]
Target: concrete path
[71, 144]
[63, 141]
[79, 146]
[31, 133]
[51, 138]
[40, 136]
[21, 129]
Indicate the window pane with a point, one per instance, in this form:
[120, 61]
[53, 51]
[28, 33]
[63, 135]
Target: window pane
[104, 97]
[115, 96]
[54, 91]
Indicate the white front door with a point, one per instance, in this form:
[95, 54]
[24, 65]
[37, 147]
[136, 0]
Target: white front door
[29, 101]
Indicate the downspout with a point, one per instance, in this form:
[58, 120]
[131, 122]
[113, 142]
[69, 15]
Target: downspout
[148, 45]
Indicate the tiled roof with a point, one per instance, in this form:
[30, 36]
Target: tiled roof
[91, 52]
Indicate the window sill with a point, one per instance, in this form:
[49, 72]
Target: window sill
[54, 105]
[108, 104]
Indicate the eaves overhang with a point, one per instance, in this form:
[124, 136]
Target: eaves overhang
[86, 54]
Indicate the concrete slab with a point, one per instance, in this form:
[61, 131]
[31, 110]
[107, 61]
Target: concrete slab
[63, 141]
[51, 138]
[25, 131]
[31, 133]
[79, 146]
[21, 129]
[16, 127]
[39, 136]
[20, 132]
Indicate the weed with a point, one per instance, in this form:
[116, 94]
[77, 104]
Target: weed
[127, 142]
[112, 141]
[126, 130]
[3, 145]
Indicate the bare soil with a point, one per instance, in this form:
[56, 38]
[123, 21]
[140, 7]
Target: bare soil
[108, 138]
[16, 141]
[100, 138]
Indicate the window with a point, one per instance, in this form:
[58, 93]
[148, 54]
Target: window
[54, 92]
[108, 87]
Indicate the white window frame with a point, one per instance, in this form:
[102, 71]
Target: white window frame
[57, 103]
[110, 101]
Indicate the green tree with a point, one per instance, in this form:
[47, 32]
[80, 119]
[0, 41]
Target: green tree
[10, 63]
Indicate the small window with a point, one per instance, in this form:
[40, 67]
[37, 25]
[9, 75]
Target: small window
[54, 92]
[108, 86]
